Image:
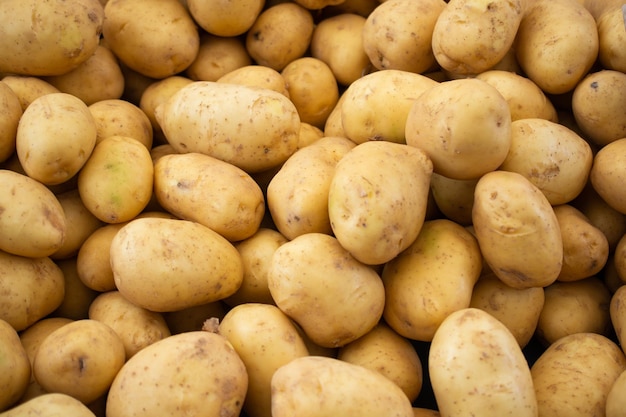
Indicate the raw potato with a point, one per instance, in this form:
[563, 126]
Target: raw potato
[32, 221]
[477, 368]
[619, 258]
[431, 279]
[252, 128]
[574, 375]
[217, 57]
[265, 339]
[315, 281]
[257, 76]
[609, 16]
[93, 259]
[77, 296]
[194, 318]
[28, 88]
[51, 405]
[15, 368]
[156, 94]
[198, 372]
[611, 222]
[164, 264]
[225, 19]
[463, 125]
[48, 38]
[11, 111]
[615, 400]
[320, 386]
[117, 117]
[454, 198]
[377, 199]
[79, 359]
[517, 230]
[617, 311]
[608, 174]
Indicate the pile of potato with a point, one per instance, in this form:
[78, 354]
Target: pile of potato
[312, 207]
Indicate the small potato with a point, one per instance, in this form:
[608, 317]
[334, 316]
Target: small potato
[610, 20]
[218, 56]
[11, 111]
[463, 125]
[347, 390]
[55, 137]
[615, 400]
[79, 359]
[611, 222]
[477, 368]
[257, 76]
[175, 264]
[116, 182]
[117, 117]
[50, 404]
[334, 124]
[619, 258]
[77, 296]
[454, 198]
[198, 372]
[28, 88]
[608, 174]
[32, 337]
[309, 134]
[265, 339]
[225, 19]
[15, 368]
[93, 264]
[574, 307]
[574, 375]
[280, 34]
[617, 310]
[517, 230]
[314, 280]
[430, 279]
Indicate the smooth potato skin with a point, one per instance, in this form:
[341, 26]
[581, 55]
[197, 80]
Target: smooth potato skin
[608, 173]
[52, 405]
[11, 110]
[15, 366]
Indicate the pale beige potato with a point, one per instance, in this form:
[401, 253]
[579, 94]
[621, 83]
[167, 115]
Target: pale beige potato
[51, 404]
[15, 366]
[334, 122]
[377, 106]
[32, 337]
[218, 56]
[93, 260]
[135, 326]
[297, 195]
[517, 230]
[79, 359]
[171, 375]
[477, 368]
[28, 88]
[517, 309]
[454, 198]
[338, 41]
[431, 279]
[280, 34]
[309, 134]
[118, 117]
[265, 339]
[574, 375]
[556, 44]
[55, 137]
[463, 125]
[608, 174]
[77, 296]
[11, 111]
[598, 106]
[193, 318]
[615, 400]
[348, 390]
[398, 34]
[207, 190]
[585, 247]
[385, 351]
[32, 221]
[48, 38]
[256, 76]
[116, 182]
[611, 222]
[471, 36]
[611, 35]
[175, 264]
[225, 19]
[308, 281]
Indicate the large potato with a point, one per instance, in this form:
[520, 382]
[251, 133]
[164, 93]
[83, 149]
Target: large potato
[15, 367]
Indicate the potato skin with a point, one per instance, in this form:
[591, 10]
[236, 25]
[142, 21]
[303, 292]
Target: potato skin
[11, 109]
[608, 173]
[51, 404]
[15, 366]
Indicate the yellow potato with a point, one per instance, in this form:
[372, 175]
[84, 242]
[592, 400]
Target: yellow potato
[609, 16]
[477, 368]
[377, 199]
[517, 230]
[175, 264]
[454, 198]
[48, 38]
[77, 296]
[52, 405]
[334, 124]
[198, 372]
[347, 390]
[15, 368]
[117, 117]
[11, 110]
[218, 56]
[256, 76]
[28, 88]
[308, 281]
[615, 400]
[617, 311]
[574, 375]
[225, 19]
[611, 222]
[619, 258]
[93, 264]
[463, 125]
[431, 279]
[608, 174]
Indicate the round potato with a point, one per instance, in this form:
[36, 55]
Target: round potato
[257, 76]
[11, 110]
[225, 19]
[117, 117]
[15, 366]
[52, 404]
[218, 56]
[608, 173]
[93, 264]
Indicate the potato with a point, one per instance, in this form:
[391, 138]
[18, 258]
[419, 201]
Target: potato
[314, 280]
[257, 76]
[55, 137]
[77, 296]
[608, 173]
[217, 57]
[297, 195]
[28, 88]
[385, 351]
[79, 359]
[309, 134]
[617, 311]
[184, 183]
[318, 4]
[280, 34]
[225, 19]
[556, 44]
[463, 125]
[32, 222]
[198, 372]
[585, 247]
[175, 264]
[314, 385]
[377, 199]
[116, 182]
[615, 401]
[517, 230]
[518, 309]
[598, 106]
[15, 366]
[52, 405]
[377, 105]
[609, 17]
[11, 110]
[117, 117]
[454, 198]
[48, 38]
[338, 41]
[252, 128]
[398, 34]
[172, 46]
[471, 48]
[265, 339]
[477, 368]
[430, 279]
[93, 264]
[611, 222]
[619, 258]
[574, 375]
